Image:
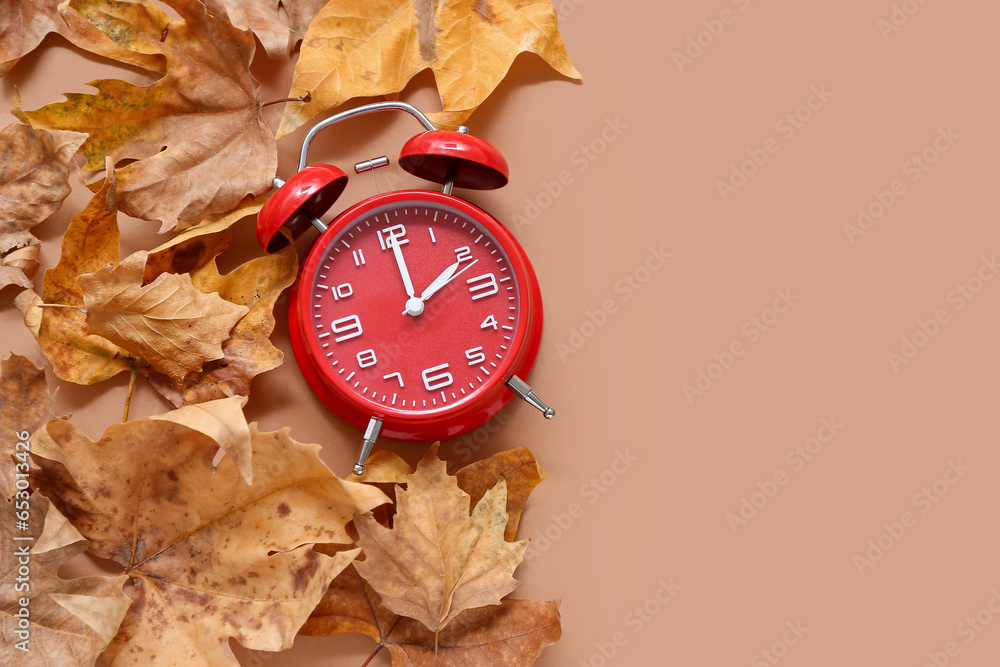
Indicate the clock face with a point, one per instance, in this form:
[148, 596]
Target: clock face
[410, 306]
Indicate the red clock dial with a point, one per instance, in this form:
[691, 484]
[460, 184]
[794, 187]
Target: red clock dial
[416, 307]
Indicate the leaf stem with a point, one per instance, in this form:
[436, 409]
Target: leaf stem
[62, 305]
[372, 656]
[131, 386]
[304, 98]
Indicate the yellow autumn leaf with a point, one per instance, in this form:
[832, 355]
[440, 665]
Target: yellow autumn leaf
[170, 323]
[355, 48]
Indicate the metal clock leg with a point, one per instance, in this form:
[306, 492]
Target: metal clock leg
[371, 435]
[521, 388]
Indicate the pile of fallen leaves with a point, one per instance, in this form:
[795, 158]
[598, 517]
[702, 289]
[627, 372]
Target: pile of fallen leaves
[223, 531]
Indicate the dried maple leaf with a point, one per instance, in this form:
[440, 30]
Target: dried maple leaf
[25, 404]
[26, 22]
[197, 134]
[517, 467]
[68, 622]
[438, 561]
[92, 241]
[211, 557]
[261, 16]
[169, 323]
[512, 634]
[248, 351]
[34, 181]
[360, 49]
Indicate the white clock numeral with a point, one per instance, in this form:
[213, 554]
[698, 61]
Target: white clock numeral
[399, 231]
[367, 358]
[397, 375]
[463, 253]
[431, 230]
[350, 326]
[483, 286]
[342, 291]
[489, 322]
[434, 380]
[359, 257]
[475, 355]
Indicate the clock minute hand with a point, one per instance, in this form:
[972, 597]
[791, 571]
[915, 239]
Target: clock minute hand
[446, 277]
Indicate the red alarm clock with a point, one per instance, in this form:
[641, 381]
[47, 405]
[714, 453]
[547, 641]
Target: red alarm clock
[416, 313]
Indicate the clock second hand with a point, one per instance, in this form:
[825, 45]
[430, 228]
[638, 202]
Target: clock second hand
[446, 277]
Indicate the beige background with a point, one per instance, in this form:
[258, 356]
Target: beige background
[664, 518]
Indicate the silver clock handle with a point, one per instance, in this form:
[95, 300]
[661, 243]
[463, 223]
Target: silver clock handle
[371, 435]
[521, 388]
[361, 111]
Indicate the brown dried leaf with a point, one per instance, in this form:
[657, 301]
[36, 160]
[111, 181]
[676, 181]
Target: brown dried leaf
[212, 558]
[169, 323]
[26, 22]
[262, 17]
[90, 242]
[360, 49]
[197, 246]
[34, 179]
[18, 267]
[70, 621]
[248, 351]
[521, 472]
[513, 633]
[197, 135]
[223, 422]
[25, 404]
[437, 560]
[350, 605]
[30, 305]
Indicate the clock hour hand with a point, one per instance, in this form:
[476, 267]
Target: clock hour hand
[446, 277]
